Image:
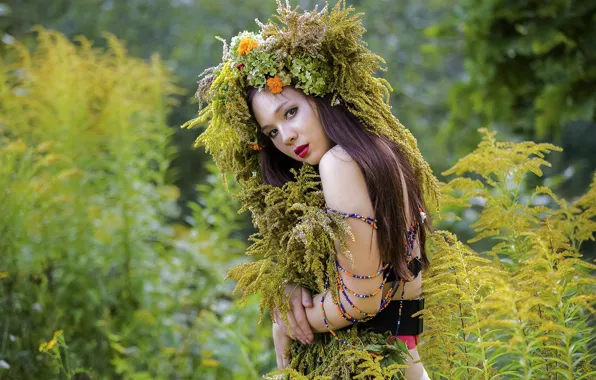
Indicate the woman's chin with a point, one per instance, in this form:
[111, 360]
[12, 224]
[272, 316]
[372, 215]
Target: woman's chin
[312, 159]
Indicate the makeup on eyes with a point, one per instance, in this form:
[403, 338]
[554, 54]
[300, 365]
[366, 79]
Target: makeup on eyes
[295, 109]
[286, 115]
[270, 132]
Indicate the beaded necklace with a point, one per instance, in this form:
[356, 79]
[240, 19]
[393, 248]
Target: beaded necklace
[368, 316]
[344, 215]
[359, 276]
[385, 270]
[348, 344]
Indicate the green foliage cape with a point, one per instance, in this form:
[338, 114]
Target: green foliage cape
[320, 52]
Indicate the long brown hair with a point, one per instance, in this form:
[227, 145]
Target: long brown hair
[381, 161]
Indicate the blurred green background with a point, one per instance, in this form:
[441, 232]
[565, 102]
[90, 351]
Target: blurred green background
[151, 302]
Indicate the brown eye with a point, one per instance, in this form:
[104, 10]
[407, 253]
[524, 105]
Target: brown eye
[291, 112]
[272, 133]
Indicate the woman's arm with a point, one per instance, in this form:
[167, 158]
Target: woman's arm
[345, 189]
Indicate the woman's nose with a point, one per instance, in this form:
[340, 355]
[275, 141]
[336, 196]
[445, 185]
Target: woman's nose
[288, 136]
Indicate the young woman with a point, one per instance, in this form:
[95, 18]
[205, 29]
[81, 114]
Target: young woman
[335, 186]
[308, 130]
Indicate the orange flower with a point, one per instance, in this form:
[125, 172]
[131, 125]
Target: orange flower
[246, 45]
[275, 84]
[255, 146]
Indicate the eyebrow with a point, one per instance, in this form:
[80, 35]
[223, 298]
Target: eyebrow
[276, 111]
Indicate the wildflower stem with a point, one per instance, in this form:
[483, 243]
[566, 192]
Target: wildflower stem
[66, 358]
[524, 349]
[5, 335]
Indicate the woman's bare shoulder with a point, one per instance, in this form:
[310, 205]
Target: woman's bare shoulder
[337, 163]
[344, 186]
[336, 153]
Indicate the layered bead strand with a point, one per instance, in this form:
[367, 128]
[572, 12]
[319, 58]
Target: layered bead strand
[385, 270]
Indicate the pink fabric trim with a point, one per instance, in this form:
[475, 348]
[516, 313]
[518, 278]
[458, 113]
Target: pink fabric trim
[410, 340]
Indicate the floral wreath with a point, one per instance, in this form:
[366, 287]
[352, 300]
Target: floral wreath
[321, 53]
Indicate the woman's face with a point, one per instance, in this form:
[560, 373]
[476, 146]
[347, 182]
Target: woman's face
[292, 124]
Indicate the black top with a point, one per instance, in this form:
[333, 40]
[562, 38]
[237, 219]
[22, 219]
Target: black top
[386, 320]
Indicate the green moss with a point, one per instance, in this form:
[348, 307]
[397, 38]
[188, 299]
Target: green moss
[326, 358]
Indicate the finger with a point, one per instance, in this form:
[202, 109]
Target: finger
[306, 298]
[302, 323]
[294, 333]
[280, 361]
[295, 330]
[279, 320]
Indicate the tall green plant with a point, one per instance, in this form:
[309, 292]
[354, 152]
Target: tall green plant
[84, 244]
[195, 328]
[521, 312]
[82, 200]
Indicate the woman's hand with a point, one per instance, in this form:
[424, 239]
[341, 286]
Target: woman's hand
[280, 342]
[300, 299]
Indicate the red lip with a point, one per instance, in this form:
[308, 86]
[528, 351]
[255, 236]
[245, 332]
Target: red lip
[301, 151]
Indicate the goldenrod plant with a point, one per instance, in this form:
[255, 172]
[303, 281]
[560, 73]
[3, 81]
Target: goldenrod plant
[85, 247]
[520, 309]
